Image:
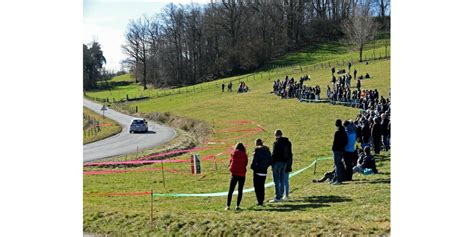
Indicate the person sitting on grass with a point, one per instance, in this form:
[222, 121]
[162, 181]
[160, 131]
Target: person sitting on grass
[366, 161]
[238, 168]
[262, 159]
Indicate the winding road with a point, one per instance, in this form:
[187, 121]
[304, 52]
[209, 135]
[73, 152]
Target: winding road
[124, 142]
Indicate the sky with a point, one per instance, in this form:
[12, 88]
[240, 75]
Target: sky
[106, 21]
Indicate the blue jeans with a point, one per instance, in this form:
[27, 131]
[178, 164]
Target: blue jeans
[278, 170]
[386, 142]
[338, 166]
[286, 184]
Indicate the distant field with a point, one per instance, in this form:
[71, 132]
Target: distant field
[361, 207]
[107, 126]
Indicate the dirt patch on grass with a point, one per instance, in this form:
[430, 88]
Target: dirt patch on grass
[199, 130]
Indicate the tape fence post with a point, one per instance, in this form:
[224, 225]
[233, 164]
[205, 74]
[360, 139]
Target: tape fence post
[151, 210]
[163, 174]
[314, 171]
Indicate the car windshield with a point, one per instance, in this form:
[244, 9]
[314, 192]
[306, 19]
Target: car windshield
[138, 122]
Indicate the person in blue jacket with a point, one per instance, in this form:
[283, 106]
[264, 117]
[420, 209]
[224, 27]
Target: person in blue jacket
[350, 155]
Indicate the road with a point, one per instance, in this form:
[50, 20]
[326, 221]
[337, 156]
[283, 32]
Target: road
[124, 142]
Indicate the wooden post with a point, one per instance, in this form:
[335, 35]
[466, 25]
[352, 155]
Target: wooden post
[151, 210]
[314, 171]
[136, 154]
[215, 164]
[163, 174]
[136, 109]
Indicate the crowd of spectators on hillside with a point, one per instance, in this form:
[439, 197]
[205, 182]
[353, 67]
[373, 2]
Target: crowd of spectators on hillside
[340, 93]
[372, 129]
[290, 88]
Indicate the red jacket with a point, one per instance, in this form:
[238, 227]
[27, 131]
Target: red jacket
[238, 163]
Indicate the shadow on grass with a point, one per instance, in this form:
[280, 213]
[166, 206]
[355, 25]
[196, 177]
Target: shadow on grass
[304, 203]
[109, 85]
[375, 181]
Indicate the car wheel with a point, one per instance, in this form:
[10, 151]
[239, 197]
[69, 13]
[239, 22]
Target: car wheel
[132, 131]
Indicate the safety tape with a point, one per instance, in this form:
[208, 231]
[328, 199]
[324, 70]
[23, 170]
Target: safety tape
[94, 172]
[217, 194]
[175, 152]
[267, 185]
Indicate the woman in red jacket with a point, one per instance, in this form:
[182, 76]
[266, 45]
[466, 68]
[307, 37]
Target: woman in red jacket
[238, 168]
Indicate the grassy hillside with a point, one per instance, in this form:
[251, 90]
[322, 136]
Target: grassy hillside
[106, 128]
[327, 54]
[359, 207]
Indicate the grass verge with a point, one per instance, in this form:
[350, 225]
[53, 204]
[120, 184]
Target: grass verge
[104, 127]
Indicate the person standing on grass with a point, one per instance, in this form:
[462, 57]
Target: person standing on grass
[262, 159]
[223, 86]
[350, 155]
[385, 131]
[376, 133]
[288, 169]
[280, 158]
[338, 145]
[237, 168]
[349, 66]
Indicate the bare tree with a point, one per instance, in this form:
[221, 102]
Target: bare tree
[136, 46]
[187, 44]
[360, 29]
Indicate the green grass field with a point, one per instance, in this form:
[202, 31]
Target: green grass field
[360, 207]
[108, 128]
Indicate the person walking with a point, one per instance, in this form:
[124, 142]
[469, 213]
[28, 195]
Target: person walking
[223, 86]
[338, 145]
[238, 168]
[280, 158]
[262, 159]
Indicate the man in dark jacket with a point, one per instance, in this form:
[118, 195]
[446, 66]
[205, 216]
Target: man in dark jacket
[365, 134]
[338, 145]
[262, 159]
[385, 131]
[281, 156]
[376, 135]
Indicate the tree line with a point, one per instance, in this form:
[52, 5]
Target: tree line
[188, 44]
